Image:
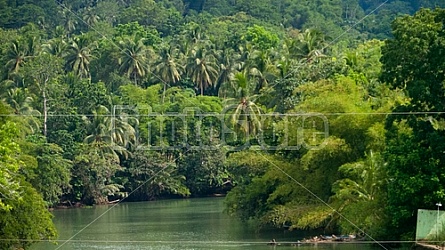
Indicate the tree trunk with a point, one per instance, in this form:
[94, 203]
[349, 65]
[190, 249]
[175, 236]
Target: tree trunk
[45, 108]
[163, 93]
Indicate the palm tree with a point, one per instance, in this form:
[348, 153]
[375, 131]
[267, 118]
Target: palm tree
[310, 45]
[22, 104]
[261, 69]
[201, 68]
[245, 114]
[228, 63]
[78, 57]
[364, 179]
[16, 55]
[70, 21]
[90, 17]
[133, 61]
[167, 68]
[109, 133]
[56, 47]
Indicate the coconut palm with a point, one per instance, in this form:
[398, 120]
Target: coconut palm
[309, 44]
[244, 112]
[133, 60]
[167, 68]
[90, 17]
[78, 56]
[21, 102]
[56, 47]
[109, 133]
[70, 21]
[228, 62]
[16, 55]
[361, 187]
[261, 69]
[201, 68]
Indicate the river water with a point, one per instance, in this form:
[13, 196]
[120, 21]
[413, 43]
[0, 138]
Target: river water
[188, 224]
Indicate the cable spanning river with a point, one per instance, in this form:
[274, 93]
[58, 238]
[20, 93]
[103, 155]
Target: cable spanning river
[187, 224]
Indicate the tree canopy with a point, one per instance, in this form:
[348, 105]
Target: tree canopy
[304, 113]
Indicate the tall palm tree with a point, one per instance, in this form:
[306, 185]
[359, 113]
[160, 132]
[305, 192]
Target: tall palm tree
[244, 112]
[78, 56]
[361, 187]
[70, 21]
[201, 68]
[167, 68]
[364, 179]
[133, 60]
[16, 55]
[228, 62]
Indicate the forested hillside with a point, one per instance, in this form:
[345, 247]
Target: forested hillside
[306, 113]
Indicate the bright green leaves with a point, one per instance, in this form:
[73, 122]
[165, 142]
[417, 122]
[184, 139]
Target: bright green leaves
[24, 217]
[27, 222]
[9, 165]
[362, 187]
[150, 36]
[261, 38]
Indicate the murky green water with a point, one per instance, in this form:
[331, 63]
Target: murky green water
[167, 225]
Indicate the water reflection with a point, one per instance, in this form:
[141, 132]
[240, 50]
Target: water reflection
[170, 224]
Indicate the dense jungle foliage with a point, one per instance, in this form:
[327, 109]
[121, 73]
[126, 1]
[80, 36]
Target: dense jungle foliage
[307, 113]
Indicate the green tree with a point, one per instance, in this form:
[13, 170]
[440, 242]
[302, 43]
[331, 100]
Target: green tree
[244, 113]
[16, 56]
[110, 133]
[51, 176]
[412, 62]
[78, 56]
[153, 174]
[133, 60]
[10, 187]
[22, 102]
[93, 176]
[363, 188]
[260, 38]
[204, 171]
[42, 73]
[201, 68]
[167, 68]
[24, 217]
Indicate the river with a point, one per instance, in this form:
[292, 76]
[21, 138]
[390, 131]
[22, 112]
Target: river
[185, 224]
